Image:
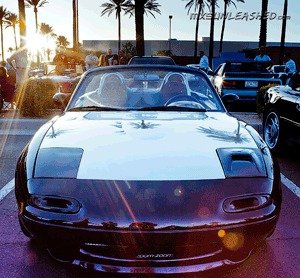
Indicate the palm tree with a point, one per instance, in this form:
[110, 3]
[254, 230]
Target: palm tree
[62, 40]
[3, 19]
[75, 24]
[22, 23]
[35, 4]
[198, 5]
[283, 32]
[263, 23]
[115, 6]
[213, 4]
[12, 21]
[139, 7]
[226, 4]
[47, 30]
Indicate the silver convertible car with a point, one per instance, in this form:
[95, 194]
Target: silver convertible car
[146, 172]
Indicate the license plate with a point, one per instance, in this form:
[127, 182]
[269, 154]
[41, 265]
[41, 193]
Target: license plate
[251, 84]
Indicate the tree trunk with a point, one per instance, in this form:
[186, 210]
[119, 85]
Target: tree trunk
[223, 28]
[77, 28]
[263, 24]
[36, 20]
[74, 25]
[139, 27]
[211, 39]
[15, 36]
[2, 48]
[22, 22]
[119, 28]
[196, 34]
[283, 32]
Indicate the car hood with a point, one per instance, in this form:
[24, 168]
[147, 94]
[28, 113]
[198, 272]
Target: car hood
[148, 145]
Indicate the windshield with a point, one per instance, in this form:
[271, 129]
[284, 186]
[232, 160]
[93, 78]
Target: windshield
[145, 87]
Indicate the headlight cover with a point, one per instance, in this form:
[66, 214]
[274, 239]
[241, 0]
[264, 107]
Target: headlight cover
[58, 163]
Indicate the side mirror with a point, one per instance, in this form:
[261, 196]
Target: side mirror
[294, 81]
[61, 100]
[228, 99]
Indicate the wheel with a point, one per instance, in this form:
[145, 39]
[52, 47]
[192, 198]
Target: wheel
[272, 133]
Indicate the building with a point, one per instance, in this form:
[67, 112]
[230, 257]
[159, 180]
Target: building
[184, 50]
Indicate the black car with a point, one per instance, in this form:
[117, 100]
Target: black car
[149, 60]
[281, 119]
[146, 172]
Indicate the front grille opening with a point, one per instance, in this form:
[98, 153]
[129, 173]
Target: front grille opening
[244, 203]
[56, 203]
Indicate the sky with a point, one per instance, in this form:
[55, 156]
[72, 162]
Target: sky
[58, 14]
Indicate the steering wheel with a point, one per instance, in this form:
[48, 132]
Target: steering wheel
[181, 98]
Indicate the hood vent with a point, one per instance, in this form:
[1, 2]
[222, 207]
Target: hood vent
[242, 162]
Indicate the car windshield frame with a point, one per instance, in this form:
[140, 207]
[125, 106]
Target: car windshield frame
[85, 92]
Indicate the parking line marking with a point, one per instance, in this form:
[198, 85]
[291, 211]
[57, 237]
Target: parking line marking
[7, 189]
[290, 185]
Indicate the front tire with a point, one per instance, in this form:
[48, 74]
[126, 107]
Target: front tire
[273, 134]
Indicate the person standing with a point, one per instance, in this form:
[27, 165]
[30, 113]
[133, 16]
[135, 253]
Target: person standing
[122, 58]
[20, 59]
[203, 63]
[108, 58]
[61, 60]
[262, 57]
[101, 60]
[290, 68]
[91, 61]
[115, 60]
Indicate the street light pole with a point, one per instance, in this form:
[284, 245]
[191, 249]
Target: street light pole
[170, 17]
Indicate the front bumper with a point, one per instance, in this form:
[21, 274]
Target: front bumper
[165, 252]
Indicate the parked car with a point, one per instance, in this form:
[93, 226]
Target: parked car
[277, 68]
[281, 119]
[146, 172]
[243, 78]
[63, 80]
[197, 66]
[146, 60]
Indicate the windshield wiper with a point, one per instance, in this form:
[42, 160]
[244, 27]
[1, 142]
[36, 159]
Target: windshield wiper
[97, 108]
[171, 108]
